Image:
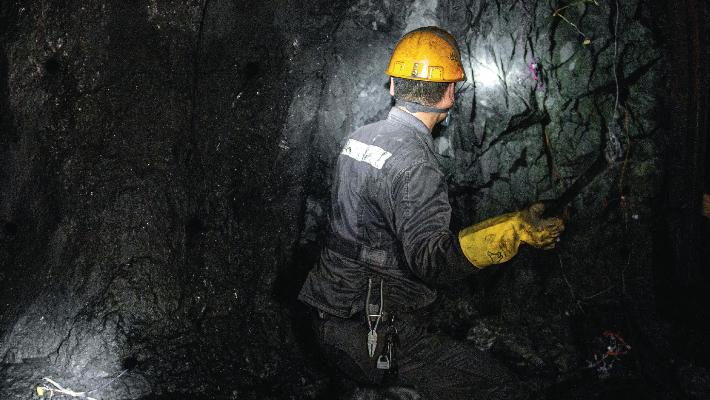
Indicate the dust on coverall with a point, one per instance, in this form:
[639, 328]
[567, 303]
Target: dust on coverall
[390, 221]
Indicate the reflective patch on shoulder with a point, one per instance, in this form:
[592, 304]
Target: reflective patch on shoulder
[370, 154]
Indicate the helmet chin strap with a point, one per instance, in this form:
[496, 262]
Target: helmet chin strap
[413, 107]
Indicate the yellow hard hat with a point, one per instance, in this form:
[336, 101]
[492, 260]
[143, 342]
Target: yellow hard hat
[427, 54]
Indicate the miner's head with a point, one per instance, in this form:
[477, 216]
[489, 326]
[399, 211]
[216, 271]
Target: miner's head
[424, 67]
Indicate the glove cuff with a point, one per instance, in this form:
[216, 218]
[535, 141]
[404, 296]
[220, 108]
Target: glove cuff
[493, 241]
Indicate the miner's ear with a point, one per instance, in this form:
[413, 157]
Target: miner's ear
[451, 91]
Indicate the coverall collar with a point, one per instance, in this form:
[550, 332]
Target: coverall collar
[405, 118]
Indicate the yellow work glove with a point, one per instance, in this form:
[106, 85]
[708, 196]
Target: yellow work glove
[496, 240]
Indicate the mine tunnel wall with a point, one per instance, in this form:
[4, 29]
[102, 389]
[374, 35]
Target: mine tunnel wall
[165, 175]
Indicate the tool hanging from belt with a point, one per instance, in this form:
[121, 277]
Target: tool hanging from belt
[374, 313]
[386, 360]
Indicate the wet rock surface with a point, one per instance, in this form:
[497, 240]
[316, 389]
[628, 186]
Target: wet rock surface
[165, 171]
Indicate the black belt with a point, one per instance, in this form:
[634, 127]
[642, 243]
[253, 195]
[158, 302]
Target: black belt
[345, 247]
[325, 316]
[377, 257]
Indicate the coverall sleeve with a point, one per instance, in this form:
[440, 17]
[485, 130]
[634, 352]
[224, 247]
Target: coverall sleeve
[422, 216]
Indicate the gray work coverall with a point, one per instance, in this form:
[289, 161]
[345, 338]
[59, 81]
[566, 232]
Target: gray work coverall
[390, 224]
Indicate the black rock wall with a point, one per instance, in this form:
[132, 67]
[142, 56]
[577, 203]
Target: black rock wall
[165, 171]
[137, 158]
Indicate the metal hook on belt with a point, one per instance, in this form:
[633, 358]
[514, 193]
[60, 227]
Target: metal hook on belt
[372, 335]
[370, 314]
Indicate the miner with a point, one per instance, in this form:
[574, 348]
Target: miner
[390, 244]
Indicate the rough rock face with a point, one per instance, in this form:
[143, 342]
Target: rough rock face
[165, 171]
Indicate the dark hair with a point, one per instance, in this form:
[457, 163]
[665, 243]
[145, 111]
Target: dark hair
[422, 92]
